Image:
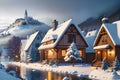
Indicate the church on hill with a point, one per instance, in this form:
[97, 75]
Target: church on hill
[26, 20]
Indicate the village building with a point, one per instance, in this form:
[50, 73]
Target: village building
[22, 51]
[30, 51]
[107, 42]
[57, 40]
[90, 52]
[26, 20]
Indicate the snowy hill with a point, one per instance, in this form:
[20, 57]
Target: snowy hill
[22, 31]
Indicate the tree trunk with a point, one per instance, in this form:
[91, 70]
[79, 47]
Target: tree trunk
[73, 62]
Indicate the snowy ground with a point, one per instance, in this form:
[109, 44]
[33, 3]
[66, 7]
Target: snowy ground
[5, 76]
[79, 70]
[100, 74]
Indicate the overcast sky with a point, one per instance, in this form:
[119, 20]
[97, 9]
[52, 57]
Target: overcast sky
[61, 10]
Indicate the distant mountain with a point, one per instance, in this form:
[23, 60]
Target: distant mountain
[95, 23]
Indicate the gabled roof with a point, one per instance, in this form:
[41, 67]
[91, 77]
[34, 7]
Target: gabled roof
[90, 37]
[58, 33]
[113, 31]
[30, 40]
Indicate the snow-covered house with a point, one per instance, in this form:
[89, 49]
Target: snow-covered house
[90, 37]
[107, 43]
[22, 51]
[31, 47]
[5, 53]
[58, 39]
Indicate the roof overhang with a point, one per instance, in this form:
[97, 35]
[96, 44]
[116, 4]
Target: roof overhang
[107, 46]
[46, 46]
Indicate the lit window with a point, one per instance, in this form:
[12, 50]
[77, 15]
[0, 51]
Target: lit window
[50, 54]
[63, 52]
[80, 52]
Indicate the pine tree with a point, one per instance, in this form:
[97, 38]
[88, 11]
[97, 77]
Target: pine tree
[116, 64]
[72, 53]
[104, 64]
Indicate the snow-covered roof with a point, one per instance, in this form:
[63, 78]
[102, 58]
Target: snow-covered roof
[113, 31]
[103, 19]
[30, 40]
[107, 46]
[58, 33]
[90, 37]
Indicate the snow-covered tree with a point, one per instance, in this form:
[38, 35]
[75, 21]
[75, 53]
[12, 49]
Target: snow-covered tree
[66, 78]
[116, 64]
[104, 64]
[28, 56]
[72, 53]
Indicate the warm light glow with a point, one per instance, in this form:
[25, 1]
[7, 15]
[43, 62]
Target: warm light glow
[63, 52]
[50, 54]
[16, 56]
[98, 52]
[49, 76]
[111, 52]
[80, 52]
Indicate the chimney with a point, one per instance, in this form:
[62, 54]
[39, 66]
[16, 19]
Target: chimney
[54, 24]
[105, 20]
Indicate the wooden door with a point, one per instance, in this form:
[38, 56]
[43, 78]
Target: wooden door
[99, 56]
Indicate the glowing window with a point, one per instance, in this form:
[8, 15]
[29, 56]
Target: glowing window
[63, 52]
[80, 52]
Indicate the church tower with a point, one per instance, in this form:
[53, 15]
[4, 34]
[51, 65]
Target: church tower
[25, 15]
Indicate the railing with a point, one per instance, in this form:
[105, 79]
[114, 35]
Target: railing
[94, 61]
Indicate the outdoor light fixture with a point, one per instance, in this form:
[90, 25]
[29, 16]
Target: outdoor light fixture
[98, 52]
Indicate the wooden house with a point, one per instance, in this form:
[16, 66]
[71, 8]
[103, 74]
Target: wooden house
[57, 40]
[107, 43]
[31, 47]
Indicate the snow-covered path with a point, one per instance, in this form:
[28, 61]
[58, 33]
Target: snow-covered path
[79, 70]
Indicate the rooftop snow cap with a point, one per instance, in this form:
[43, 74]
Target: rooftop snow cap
[104, 20]
[54, 24]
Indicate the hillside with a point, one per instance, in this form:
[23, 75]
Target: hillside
[94, 23]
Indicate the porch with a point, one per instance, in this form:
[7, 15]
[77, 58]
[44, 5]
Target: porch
[102, 52]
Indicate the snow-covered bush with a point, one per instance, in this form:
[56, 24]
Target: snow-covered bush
[66, 78]
[104, 64]
[13, 73]
[72, 53]
[2, 67]
[116, 64]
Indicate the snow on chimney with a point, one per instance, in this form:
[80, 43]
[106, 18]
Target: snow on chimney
[54, 24]
[105, 20]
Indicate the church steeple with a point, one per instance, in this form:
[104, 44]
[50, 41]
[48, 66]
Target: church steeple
[26, 15]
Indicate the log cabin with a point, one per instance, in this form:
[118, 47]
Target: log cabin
[107, 43]
[57, 40]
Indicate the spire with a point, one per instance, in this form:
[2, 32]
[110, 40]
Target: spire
[26, 14]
